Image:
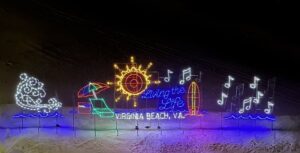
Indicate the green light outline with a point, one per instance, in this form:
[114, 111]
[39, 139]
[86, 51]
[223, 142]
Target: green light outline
[101, 111]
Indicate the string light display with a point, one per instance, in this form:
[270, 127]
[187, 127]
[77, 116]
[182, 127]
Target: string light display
[247, 103]
[250, 117]
[132, 81]
[102, 112]
[149, 116]
[224, 95]
[193, 99]
[254, 85]
[228, 84]
[86, 91]
[170, 99]
[186, 75]
[39, 115]
[222, 100]
[168, 77]
[95, 106]
[269, 110]
[29, 95]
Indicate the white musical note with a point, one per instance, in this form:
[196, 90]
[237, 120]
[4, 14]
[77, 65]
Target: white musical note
[186, 75]
[259, 94]
[221, 101]
[228, 84]
[168, 77]
[255, 83]
[270, 108]
[248, 107]
[199, 77]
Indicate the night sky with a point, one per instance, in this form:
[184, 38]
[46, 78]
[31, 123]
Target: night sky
[66, 44]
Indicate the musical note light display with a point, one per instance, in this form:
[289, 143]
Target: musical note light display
[186, 75]
[222, 100]
[269, 110]
[247, 103]
[258, 96]
[224, 95]
[254, 85]
[228, 84]
[168, 77]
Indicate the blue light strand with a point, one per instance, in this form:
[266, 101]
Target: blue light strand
[170, 99]
[250, 117]
[39, 115]
[161, 93]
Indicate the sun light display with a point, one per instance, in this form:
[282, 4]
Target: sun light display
[132, 81]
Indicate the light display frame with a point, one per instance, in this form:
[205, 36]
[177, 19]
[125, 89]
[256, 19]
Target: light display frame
[190, 100]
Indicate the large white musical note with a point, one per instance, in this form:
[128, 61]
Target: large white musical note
[270, 108]
[221, 101]
[186, 75]
[247, 102]
[255, 83]
[228, 84]
[258, 96]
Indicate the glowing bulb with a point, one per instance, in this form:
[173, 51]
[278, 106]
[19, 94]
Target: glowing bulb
[116, 66]
[131, 59]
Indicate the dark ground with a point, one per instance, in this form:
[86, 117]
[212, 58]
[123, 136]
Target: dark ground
[66, 44]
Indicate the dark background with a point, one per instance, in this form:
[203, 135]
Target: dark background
[66, 43]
